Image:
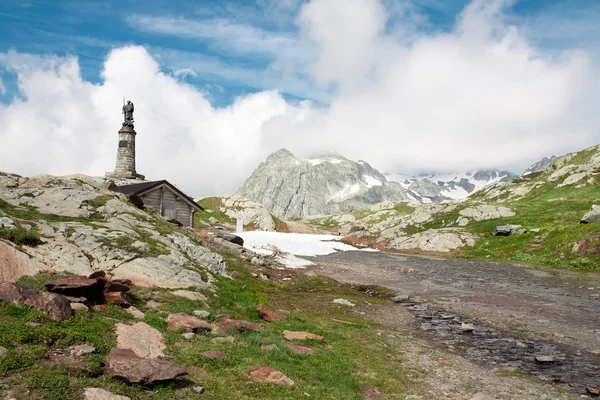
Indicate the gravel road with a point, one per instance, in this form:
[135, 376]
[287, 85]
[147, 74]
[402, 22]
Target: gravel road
[545, 311]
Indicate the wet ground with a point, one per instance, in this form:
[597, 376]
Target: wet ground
[540, 321]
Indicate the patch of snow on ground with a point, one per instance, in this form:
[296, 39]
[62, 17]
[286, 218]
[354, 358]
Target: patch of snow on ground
[372, 181]
[294, 244]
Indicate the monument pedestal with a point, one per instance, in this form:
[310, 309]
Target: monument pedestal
[125, 167]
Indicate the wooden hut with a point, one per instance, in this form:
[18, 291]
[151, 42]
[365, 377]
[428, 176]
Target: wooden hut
[162, 197]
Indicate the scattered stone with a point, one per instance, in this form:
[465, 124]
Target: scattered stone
[81, 350]
[230, 237]
[100, 307]
[227, 324]
[118, 285]
[3, 351]
[97, 274]
[189, 335]
[187, 322]
[291, 335]
[466, 328]
[135, 312]
[153, 304]
[403, 298]
[101, 394]
[299, 349]
[593, 391]
[141, 338]
[507, 230]
[270, 314]
[76, 286]
[125, 364]
[214, 354]
[268, 347]
[79, 307]
[118, 298]
[344, 302]
[221, 339]
[190, 295]
[269, 375]
[544, 359]
[372, 394]
[198, 389]
[56, 306]
[201, 313]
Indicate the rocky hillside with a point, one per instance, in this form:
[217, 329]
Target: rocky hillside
[541, 211]
[449, 186]
[76, 224]
[290, 187]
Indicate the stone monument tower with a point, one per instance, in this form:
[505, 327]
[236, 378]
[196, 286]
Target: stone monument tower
[125, 167]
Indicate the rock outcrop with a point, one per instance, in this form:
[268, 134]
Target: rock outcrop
[125, 365]
[83, 227]
[290, 187]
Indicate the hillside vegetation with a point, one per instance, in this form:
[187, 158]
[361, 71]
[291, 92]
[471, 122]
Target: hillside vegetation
[548, 204]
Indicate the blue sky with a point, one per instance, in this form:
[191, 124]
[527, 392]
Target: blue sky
[409, 86]
[204, 40]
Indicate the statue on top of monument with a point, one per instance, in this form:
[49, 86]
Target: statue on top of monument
[128, 113]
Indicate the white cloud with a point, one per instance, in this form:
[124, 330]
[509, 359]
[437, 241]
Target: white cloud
[478, 96]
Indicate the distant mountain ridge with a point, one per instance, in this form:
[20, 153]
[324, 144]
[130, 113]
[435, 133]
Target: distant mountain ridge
[448, 186]
[291, 187]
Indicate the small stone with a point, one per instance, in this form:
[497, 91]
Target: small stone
[544, 359]
[299, 349]
[189, 335]
[3, 351]
[190, 295]
[100, 308]
[266, 374]
[201, 313]
[230, 324]
[401, 298]
[521, 345]
[221, 339]
[125, 365]
[467, 328]
[214, 354]
[119, 298]
[291, 335]
[187, 323]
[344, 302]
[101, 394]
[135, 312]
[81, 350]
[198, 389]
[79, 307]
[270, 314]
[153, 304]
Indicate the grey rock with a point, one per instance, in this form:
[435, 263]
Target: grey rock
[3, 351]
[101, 394]
[591, 216]
[81, 350]
[230, 237]
[544, 359]
[466, 328]
[198, 389]
[507, 230]
[294, 188]
[201, 313]
[189, 335]
[7, 223]
[135, 312]
[403, 298]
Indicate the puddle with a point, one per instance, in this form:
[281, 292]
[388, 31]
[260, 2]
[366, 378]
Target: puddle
[556, 363]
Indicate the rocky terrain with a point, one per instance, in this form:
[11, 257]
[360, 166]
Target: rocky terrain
[541, 210]
[289, 187]
[75, 224]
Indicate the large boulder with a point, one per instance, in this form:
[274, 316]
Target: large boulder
[141, 338]
[591, 216]
[230, 237]
[435, 240]
[14, 263]
[77, 286]
[125, 365]
[508, 230]
[56, 306]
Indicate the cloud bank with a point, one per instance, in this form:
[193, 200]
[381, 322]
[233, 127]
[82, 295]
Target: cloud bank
[477, 96]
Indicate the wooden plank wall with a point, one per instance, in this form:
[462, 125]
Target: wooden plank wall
[180, 209]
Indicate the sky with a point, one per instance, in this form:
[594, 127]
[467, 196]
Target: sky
[409, 86]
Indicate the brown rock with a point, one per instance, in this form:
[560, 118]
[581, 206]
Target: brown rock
[100, 307]
[214, 354]
[118, 285]
[124, 364]
[54, 305]
[270, 314]
[76, 299]
[291, 335]
[144, 340]
[76, 286]
[79, 307]
[299, 349]
[266, 374]
[593, 391]
[227, 324]
[97, 274]
[372, 394]
[187, 322]
[119, 298]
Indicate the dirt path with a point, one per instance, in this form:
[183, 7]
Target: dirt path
[519, 312]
